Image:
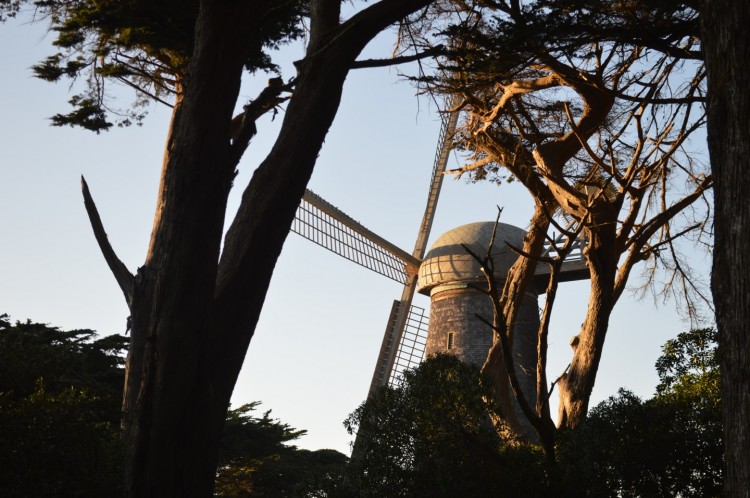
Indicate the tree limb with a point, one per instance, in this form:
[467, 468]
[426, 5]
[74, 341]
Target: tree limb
[243, 125]
[368, 63]
[124, 278]
[542, 425]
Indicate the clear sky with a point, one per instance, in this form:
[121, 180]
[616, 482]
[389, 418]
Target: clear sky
[314, 350]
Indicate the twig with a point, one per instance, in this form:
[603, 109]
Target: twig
[552, 386]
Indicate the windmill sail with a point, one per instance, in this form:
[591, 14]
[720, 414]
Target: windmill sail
[412, 344]
[405, 336]
[319, 221]
[393, 345]
[406, 332]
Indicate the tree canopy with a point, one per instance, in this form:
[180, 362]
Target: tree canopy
[669, 445]
[591, 106]
[60, 396]
[431, 436]
[257, 460]
[196, 299]
[142, 45]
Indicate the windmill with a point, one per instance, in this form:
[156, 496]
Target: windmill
[406, 335]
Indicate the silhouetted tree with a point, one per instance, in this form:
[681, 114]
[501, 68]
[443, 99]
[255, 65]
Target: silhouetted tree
[727, 43]
[195, 301]
[60, 396]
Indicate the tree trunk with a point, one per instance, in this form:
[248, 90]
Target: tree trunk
[576, 385]
[517, 282]
[192, 315]
[726, 44]
[170, 419]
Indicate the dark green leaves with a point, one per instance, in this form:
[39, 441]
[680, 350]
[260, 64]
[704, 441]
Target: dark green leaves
[88, 114]
[257, 461]
[145, 45]
[432, 436]
[60, 397]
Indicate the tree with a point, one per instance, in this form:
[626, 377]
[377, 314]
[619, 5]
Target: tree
[592, 114]
[431, 436]
[669, 445]
[195, 302]
[60, 395]
[255, 460]
[726, 46]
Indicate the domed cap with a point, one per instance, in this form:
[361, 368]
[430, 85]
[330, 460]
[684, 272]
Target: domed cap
[448, 263]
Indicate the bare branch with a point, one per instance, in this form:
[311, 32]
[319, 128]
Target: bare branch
[244, 124]
[369, 63]
[469, 167]
[124, 278]
[522, 253]
[552, 386]
[543, 426]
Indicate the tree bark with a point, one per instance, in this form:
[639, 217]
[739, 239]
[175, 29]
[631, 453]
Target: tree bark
[726, 44]
[576, 384]
[518, 280]
[194, 314]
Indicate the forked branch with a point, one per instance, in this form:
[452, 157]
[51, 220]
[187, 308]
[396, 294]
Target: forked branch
[543, 426]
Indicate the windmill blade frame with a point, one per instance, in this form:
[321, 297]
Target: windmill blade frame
[392, 346]
[321, 222]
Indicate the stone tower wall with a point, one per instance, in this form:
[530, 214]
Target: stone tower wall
[455, 312]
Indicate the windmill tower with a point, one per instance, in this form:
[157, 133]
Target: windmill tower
[445, 273]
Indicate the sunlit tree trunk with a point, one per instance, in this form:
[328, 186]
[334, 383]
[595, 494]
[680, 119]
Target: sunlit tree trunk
[576, 385]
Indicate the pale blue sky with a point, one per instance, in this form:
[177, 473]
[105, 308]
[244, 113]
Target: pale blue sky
[314, 350]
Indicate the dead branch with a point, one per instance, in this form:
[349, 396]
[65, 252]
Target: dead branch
[124, 278]
[458, 172]
[542, 406]
[544, 427]
[243, 124]
[521, 252]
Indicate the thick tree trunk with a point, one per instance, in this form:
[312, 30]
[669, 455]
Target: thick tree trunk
[576, 385]
[170, 421]
[193, 316]
[726, 43]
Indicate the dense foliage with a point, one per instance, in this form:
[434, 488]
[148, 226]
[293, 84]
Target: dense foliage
[139, 44]
[669, 445]
[60, 395]
[431, 436]
[256, 460]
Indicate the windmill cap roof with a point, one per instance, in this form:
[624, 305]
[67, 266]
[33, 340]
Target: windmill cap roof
[448, 263]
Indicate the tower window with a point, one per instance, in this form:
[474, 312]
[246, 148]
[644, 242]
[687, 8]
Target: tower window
[450, 340]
